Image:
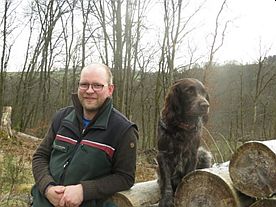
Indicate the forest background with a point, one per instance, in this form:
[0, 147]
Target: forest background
[62, 36]
[65, 35]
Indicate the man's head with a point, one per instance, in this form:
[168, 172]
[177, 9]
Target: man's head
[95, 85]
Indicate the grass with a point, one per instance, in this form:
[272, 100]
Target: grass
[15, 171]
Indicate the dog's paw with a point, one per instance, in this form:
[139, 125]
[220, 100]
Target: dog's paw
[166, 202]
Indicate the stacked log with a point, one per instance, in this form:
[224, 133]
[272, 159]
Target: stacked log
[210, 187]
[253, 168]
[248, 180]
[253, 171]
[144, 194]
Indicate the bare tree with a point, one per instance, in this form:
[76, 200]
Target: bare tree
[35, 82]
[68, 31]
[6, 30]
[264, 77]
[176, 28]
[217, 40]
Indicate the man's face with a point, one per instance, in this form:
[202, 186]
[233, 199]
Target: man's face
[92, 99]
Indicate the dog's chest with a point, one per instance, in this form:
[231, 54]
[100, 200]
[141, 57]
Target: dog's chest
[180, 161]
[183, 154]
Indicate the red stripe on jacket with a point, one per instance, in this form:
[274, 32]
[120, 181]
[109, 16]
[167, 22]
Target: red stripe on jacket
[65, 139]
[108, 149]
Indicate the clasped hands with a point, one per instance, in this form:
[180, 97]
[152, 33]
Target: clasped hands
[65, 196]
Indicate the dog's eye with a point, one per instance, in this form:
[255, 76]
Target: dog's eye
[190, 91]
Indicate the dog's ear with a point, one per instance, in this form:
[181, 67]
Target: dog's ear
[207, 97]
[172, 105]
[206, 117]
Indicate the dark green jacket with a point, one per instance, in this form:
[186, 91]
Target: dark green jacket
[101, 157]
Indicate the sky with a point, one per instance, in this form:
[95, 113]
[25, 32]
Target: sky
[252, 24]
[253, 31]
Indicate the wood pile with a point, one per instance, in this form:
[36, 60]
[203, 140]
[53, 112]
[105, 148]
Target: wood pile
[247, 180]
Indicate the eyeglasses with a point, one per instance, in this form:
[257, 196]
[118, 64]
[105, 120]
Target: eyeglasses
[95, 86]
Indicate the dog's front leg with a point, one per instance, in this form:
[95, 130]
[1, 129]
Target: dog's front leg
[191, 164]
[165, 181]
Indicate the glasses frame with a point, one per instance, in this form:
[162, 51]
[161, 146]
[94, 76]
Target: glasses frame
[95, 86]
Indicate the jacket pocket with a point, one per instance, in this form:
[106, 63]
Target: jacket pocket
[59, 147]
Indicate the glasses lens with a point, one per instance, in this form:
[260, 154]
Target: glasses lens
[83, 86]
[97, 87]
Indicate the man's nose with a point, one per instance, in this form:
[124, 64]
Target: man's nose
[90, 89]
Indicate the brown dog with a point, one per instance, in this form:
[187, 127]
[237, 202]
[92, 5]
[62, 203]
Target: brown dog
[179, 133]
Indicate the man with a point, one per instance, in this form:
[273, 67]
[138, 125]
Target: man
[89, 152]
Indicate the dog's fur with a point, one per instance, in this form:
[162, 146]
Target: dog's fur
[179, 132]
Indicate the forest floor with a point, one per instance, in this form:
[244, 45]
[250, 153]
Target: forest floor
[15, 169]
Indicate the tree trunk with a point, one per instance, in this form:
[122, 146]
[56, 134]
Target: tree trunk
[141, 194]
[209, 188]
[6, 120]
[252, 168]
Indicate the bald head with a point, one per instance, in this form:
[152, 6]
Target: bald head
[98, 67]
[95, 86]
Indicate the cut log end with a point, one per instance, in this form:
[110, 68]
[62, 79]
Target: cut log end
[252, 169]
[209, 189]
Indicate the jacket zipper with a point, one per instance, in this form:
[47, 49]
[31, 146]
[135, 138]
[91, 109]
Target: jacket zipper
[66, 164]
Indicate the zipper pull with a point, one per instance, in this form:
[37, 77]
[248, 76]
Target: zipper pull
[66, 164]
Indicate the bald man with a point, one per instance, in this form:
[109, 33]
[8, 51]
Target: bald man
[89, 151]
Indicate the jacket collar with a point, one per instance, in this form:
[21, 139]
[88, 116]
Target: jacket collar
[101, 118]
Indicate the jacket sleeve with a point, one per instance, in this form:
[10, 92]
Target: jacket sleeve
[123, 173]
[41, 157]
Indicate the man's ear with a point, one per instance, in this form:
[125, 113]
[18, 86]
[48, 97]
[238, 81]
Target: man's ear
[111, 89]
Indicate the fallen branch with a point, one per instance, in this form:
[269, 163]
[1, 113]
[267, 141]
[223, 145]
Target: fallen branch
[25, 136]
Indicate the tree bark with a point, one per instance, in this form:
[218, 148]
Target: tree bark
[210, 187]
[252, 168]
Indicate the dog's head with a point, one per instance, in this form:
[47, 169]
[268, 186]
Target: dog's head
[186, 99]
